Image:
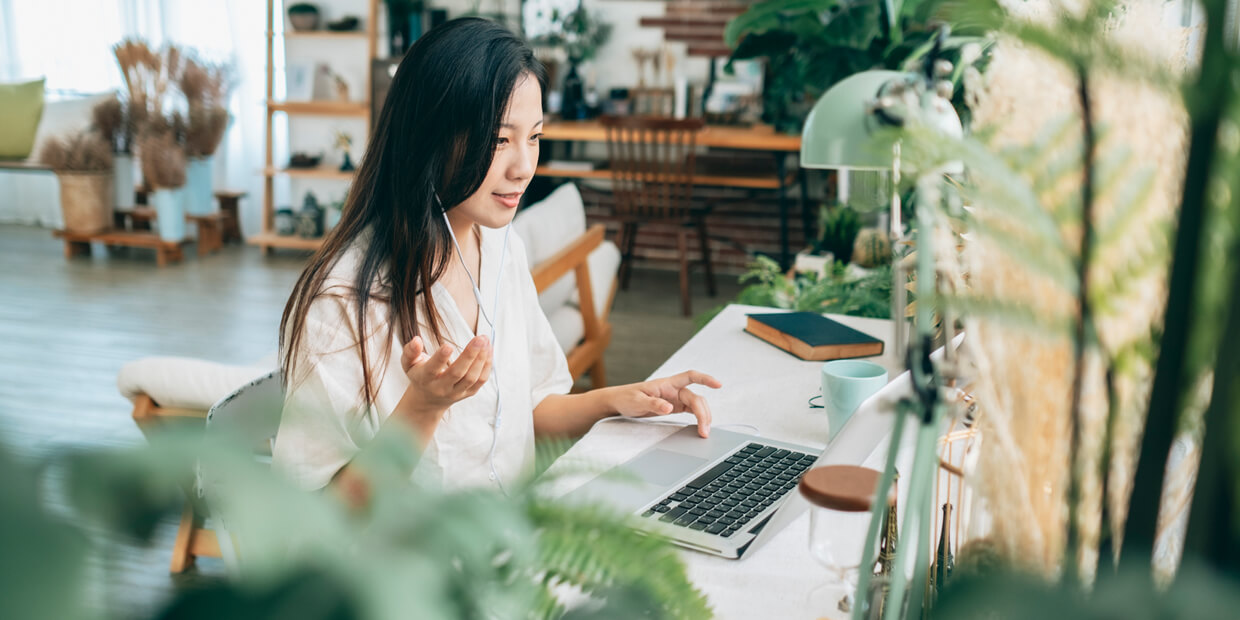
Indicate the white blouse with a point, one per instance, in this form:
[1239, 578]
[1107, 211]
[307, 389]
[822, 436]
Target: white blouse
[323, 425]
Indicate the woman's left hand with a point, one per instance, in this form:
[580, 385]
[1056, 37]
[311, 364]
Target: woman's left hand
[667, 395]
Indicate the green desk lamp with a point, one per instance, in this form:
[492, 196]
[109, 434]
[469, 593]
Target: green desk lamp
[851, 128]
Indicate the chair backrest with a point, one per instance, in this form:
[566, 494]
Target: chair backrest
[252, 412]
[652, 164]
[652, 101]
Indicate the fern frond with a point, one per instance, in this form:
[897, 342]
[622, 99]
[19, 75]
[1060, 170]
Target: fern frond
[1114, 296]
[615, 556]
[1009, 313]
[1032, 252]
[1133, 197]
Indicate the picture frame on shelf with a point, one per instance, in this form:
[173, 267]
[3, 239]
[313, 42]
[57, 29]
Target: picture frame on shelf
[299, 81]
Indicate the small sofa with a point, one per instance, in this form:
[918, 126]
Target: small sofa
[29, 192]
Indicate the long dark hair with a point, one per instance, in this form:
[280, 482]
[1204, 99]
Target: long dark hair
[437, 133]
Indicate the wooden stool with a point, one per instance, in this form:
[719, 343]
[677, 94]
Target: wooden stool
[79, 243]
[229, 215]
[209, 227]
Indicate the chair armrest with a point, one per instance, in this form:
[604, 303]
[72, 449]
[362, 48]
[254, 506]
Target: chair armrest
[574, 254]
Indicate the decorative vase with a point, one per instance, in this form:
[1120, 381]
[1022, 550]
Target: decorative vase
[404, 26]
[303, 16]
[198, 196]
[310, 218]
[572, 103]
[169, 213]
[86, 201]
[122, 182]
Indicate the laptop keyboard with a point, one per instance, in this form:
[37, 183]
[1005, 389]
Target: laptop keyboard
[726, 497]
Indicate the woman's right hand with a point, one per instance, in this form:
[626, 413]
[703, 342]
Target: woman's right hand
[436, 381]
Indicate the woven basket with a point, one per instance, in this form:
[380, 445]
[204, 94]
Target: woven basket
[86, 201]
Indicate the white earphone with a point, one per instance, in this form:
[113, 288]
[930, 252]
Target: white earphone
[499, 401]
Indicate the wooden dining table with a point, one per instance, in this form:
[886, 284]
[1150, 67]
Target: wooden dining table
[753, 138]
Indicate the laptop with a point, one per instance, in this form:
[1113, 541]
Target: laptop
[730, 493]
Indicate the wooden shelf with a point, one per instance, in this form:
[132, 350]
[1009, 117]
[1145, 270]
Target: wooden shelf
[359, 35]
[368, 12]
[321, 108]
[310, 173]
[769, 181]
[271, 240]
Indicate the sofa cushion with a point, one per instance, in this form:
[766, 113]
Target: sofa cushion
[66, 116]
[567, 326]
[546, 227]
[21, 106]
[184, 383]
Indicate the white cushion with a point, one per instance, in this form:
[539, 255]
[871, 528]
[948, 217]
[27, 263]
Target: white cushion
[65, 116]
[185, 383]
[566, 325]
[546, 227]
[603, 263]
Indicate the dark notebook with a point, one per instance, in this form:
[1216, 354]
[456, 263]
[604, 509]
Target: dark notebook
[811, 336]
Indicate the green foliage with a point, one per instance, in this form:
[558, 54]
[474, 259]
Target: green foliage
[579, 32]
[868, 295]
[839, 228]
[812, 44]
[412, 552]
[1198, 595]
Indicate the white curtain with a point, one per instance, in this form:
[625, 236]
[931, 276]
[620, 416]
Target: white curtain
[69, 42]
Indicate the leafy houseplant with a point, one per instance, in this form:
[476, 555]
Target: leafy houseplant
[839, 227]
[413, 552]
[812, 44]
[579, 33]
[841, 292]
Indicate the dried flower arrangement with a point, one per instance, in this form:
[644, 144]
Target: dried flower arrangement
[1026, 377]
[83, 152]
[149, 75]
[162, 157]
[112, 120]
[206, 88]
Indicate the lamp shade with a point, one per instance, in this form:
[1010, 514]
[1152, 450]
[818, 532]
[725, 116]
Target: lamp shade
[838, 132]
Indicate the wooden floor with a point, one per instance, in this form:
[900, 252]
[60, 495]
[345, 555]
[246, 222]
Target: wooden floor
[67, 326]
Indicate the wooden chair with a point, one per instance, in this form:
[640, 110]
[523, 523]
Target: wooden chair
[652, 166]
[193, 539]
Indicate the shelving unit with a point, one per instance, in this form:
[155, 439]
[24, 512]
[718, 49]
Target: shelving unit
[357, 108]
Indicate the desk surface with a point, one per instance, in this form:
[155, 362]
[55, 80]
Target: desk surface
[768, 389]
[754, 138]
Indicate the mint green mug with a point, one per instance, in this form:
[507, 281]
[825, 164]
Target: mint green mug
[845, 385]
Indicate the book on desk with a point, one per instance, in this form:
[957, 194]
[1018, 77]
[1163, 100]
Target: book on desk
[811, 336]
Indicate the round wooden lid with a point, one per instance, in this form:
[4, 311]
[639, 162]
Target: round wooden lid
[846, 488]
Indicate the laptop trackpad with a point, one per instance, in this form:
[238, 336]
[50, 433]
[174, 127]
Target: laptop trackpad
[663, 467]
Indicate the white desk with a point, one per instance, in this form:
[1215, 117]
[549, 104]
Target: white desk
[768, 389]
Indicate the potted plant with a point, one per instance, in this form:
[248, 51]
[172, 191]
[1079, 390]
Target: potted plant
[114, 123]
[206, 88]
[579, 33]
[839, 227]
[809, 46]
[303, 16]
[83, 166]
[163, 168]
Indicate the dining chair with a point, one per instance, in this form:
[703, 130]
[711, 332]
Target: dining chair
[652, 161]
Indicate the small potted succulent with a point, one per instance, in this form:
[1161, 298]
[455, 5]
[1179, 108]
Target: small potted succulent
[838, 229]
[83, 166]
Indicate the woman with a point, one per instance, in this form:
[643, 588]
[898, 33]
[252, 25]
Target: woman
[386, 330]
